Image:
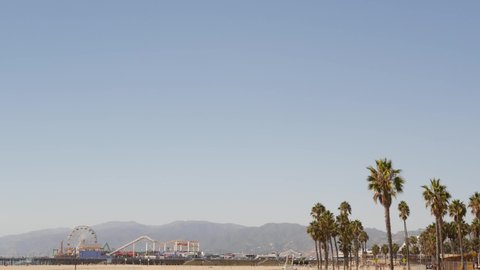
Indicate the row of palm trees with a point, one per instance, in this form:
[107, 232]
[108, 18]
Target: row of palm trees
[386, 182]
[450, 238]
[376, 249]
[326, 228]
[437, 198]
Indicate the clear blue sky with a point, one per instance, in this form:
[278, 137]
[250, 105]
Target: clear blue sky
[231, 111]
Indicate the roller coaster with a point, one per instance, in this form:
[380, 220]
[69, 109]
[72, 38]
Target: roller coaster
[154, 248]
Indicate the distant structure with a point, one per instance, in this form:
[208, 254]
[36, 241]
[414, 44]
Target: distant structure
[182, 246]
[81, 243]
[154, 248]
[81, 247]
[290, 256]
[290, 252]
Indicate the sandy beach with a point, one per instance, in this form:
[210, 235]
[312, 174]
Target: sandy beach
[177, 267]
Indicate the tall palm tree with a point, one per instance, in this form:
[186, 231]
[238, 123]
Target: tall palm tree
[325, 227]
[474, 205]
[345, 238]
[457, 211]
[386, 183]
[316, 212]
[404, 212]
[436, 197]
[313, 231]
[334, 236]
[331, 231]
[357, 229]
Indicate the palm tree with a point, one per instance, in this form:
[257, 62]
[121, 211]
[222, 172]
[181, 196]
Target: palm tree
[413, 240]
[386, 183]
[345, 208]
[313, 231]
[325, 227]
[457, 211]
[474, 205]
[357, 229]
[331, 231]
[316, 212]
[385, 250]
[345, 235]
[436, 197]
[450, 231]
[334, 236]
[363, 239]
[375, 252]
[427, 240]
[395, 249]
[404, 212]
[475, 231]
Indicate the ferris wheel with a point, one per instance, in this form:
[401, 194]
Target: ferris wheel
[81, 237]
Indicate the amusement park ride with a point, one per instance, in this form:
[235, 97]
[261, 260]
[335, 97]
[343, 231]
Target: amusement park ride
[166, 249]
[81, 239]
[82, 243]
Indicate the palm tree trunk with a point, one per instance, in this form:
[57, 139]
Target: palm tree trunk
[356, 255]
[364, 253]
[461, 244]
[331, 249]
[336, 251]
[350, 259]
[406, 243]
[452, 244]
[320, 263]
[326, 253]
[437, 248]
[478, 252]
[365, 261]
[318, 256]
[389, 235]
[440, 229]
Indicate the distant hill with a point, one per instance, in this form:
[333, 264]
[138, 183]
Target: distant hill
[213, 237]
[380, 237]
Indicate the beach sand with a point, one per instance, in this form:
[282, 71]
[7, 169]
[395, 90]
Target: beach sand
[176, 267]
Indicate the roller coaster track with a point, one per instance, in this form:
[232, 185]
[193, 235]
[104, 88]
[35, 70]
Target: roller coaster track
[141, 238]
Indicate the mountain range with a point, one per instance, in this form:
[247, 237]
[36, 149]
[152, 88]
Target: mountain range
[213, 237]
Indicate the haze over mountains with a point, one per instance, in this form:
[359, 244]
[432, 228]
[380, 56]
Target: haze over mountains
[213, 237]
